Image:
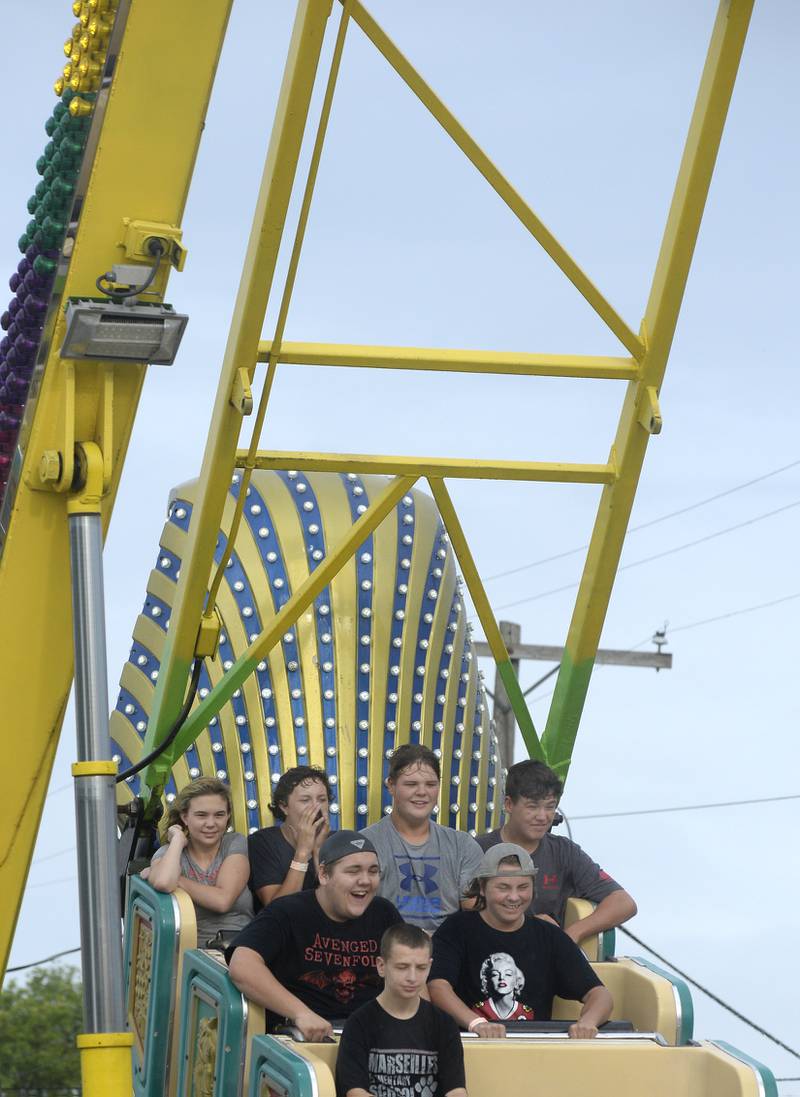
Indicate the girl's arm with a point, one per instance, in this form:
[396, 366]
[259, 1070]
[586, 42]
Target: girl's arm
[165, 872]
[231, 881]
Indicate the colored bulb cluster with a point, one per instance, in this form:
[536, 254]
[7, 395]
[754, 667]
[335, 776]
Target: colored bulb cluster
[49, 207]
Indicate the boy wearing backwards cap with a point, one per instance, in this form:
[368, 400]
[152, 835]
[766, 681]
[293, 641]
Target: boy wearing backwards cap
[399, 1044]
[311, 957]
[497, 963]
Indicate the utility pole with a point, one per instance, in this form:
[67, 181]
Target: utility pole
[503, 714]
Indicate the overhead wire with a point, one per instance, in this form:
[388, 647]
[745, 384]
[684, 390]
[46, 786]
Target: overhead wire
[690, 807]
[709, 993]
[46, 960]
[659, 555]
[650, 522]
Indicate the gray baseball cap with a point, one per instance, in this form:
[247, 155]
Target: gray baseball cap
[490, 865]
[342, 843]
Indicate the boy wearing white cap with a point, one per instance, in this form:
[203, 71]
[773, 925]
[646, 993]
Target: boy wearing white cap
[497, 964]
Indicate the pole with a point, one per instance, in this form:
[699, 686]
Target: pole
[105, 1055]
[504, 723]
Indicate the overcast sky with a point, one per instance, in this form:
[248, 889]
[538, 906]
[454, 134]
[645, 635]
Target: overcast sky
[585, 107]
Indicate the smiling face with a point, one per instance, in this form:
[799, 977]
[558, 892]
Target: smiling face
[346, 887]
[414, 793]
[529, 820]
[405, 970]
[507, 899]
[503, 976]
[206, 819]
[307, 794]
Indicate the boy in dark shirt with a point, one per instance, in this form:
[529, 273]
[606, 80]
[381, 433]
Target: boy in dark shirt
[310, 958]
[497, 964]
[399, 1045]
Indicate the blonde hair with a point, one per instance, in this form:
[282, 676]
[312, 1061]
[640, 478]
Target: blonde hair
[202, 786]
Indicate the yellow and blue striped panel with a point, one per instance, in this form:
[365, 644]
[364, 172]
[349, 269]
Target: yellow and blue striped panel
[382, 657]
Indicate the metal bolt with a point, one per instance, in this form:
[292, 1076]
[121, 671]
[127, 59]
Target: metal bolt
[50, 467]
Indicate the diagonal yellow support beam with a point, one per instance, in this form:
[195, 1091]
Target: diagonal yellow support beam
[437, 359]
[492, 174]
[280, 169]
[464, 468]
[639, 413]
[288, 615]
[486, 616]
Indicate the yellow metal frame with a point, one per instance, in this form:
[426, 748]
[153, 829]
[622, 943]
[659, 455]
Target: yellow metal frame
[93, 403]
[642, 370]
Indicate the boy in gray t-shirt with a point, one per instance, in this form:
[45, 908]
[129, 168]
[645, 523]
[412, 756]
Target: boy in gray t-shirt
[425, 867]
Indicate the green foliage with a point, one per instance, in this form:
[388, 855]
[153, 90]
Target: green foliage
[39, 1020]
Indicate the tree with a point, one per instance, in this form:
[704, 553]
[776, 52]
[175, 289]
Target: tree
[39, 1021]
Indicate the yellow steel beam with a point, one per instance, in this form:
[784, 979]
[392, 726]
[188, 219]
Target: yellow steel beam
[468, 469]
[485, 615]
[492, 174]
[172, 51]
[277, 181]
[637, 419]
[452, 361]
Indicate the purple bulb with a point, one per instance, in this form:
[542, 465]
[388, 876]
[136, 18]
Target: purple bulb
[5, 320]
[13, 308]
[15, 281]
[5, 343]
[35, 306]
[23, 266]
[17, 387]
[24, 344]
[8, 421]
[31, 252]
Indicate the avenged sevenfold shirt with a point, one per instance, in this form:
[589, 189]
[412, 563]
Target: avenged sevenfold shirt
[330, 966]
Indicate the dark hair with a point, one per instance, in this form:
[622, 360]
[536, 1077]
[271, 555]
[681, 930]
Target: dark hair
[403, 933]
[412, 754]
[475, 891]
[533, 781]
[201, 786]
[289, 782]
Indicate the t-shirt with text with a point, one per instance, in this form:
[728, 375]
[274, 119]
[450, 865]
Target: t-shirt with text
[564, 870]
[328, 965]
[270, 859]
[389, 1057]
[425, 882]
[509, 976]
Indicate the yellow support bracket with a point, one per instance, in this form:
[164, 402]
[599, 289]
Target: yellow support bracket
[95, 768]
[105, 1063]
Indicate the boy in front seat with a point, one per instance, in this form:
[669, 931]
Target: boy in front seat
[399, 1043]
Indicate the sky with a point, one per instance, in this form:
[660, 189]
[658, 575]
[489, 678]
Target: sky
[585, 108]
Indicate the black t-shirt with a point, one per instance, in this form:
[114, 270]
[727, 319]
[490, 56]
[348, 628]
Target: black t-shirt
[509, 976]
[329, 966]
[270, 858]
[389, 1057]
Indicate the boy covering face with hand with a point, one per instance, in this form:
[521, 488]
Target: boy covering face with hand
[399, 1045]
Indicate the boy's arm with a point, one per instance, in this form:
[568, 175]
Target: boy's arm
[254, 979]
[443, 996]
[597, 1007]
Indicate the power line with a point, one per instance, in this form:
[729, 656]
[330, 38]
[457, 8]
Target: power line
[689, 807]
[710, 994]
[50, 883]
[659, 555]
[47, 959]
[735, 613]
[646, 525]
[51, 856]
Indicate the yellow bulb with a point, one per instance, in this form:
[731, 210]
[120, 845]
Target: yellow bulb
[88, 67]
[76, 8]
[85, 16]
[68, 47]
[98, 28]
[67, 70]
[77, 31]
[79, 108]
[58, 87]
[84, 41]
[76, 55]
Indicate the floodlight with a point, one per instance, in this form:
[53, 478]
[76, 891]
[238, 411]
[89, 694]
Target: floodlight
[122, 332]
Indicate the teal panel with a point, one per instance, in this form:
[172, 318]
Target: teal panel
[607, 944]
[765, 1075]
[686, 1026]
[151, 1058]
[282, 1071]
[213, 1029]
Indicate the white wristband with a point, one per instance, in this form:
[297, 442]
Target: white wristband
[299, 866]
[476, 1021]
